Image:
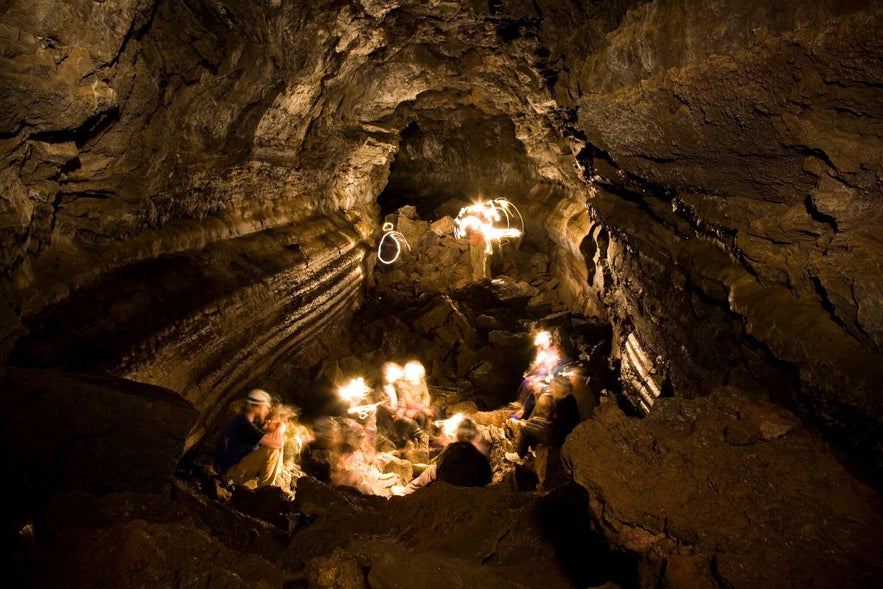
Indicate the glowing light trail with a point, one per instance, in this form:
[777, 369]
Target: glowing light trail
[397, 238]
[364, 411]
[493, 219]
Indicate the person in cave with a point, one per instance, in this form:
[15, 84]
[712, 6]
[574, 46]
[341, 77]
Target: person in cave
[250, 447]
[537, 429]
[321, 454]
[545, 365]
[554, 417]
[463, 463]
[565, 414]
[407, 417]
[355, 465]
[412, 391]
[529, 392]
[478, 252]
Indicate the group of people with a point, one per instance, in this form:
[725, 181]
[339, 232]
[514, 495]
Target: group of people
[397, 418]
[338, 449]
[395, 421]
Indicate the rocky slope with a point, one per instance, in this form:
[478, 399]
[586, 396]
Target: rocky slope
[190, 191]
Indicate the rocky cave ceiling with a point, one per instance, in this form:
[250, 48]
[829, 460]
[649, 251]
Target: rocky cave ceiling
[204, 180]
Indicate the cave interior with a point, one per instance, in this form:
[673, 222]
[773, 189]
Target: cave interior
[203, 197]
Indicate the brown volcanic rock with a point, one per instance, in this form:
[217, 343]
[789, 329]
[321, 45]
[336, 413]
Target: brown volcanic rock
[449, 536]
[759, 159]
[735, 484]
[138, 553]
[98, 434]
[730, 187]
[101, 434]
[136, 129]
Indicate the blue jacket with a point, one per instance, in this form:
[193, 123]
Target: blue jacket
[238, 438]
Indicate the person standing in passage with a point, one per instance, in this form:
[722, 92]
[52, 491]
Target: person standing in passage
[251, 445]
[478, 252]
[545, 365]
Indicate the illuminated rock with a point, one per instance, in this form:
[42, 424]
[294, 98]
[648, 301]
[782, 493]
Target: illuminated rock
[190, 195]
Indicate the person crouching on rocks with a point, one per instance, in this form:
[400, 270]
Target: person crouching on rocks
[462, 463]
[250, 449]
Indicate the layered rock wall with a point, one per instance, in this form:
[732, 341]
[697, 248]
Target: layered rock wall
[727, 157]
[755, 194]
[208, 322]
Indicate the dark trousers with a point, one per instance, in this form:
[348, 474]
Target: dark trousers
[535, 431]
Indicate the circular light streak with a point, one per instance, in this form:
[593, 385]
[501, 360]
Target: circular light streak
[397, 238]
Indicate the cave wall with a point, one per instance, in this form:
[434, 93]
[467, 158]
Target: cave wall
[174, 127]
[748, 182]
[707, 177]
[452, 159]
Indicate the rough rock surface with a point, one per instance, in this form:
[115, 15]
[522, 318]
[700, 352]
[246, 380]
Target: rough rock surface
[768, 192]
[190, 193]
[444, 536]
[670, 176]
[68, 431]
[734, 490]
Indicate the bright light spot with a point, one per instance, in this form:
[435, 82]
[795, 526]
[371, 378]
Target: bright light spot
[392, 372]
[414, 371]
[546, 360]
[450, 425]
[353, 391]
[543, 338]
[493, 219]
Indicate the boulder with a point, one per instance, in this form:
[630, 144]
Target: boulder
[735, 484]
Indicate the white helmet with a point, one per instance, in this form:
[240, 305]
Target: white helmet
[259, 397]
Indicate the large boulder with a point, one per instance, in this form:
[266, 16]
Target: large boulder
[732, 488]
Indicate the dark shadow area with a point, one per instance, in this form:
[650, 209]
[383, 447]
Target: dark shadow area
[456, 157]
[582, 551]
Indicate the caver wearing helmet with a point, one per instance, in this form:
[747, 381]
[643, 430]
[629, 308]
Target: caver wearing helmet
[249, 449]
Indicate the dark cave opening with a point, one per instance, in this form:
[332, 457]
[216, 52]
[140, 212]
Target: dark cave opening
[444, 163]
